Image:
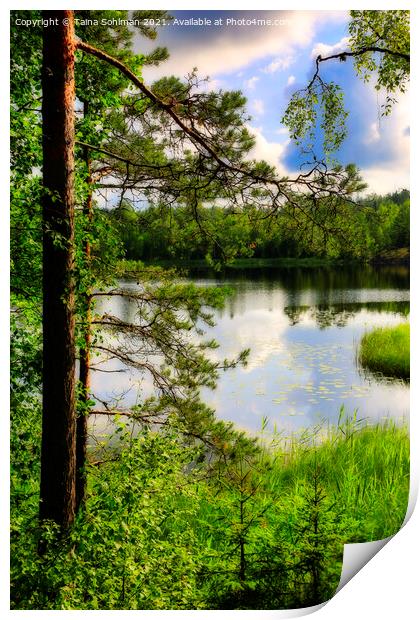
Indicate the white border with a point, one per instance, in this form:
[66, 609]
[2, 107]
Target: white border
[387, 587]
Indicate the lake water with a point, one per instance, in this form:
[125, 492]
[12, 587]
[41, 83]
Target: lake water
[303, 326]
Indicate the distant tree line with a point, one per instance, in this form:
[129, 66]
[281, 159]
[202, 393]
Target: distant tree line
[375, 224]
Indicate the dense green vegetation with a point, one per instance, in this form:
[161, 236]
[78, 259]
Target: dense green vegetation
[263, 529]
[387, 350]
[377, 225]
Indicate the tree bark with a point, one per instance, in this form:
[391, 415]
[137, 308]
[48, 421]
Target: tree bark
[58, 451]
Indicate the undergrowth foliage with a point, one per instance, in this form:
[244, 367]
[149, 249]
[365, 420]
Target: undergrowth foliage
[167, 525]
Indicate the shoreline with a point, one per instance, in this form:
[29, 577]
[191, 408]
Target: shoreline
[397, 258]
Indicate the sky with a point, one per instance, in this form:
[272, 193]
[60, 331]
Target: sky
[268, 63]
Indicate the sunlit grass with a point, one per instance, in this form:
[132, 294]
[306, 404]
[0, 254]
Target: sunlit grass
[323, 488]
[387, 350]
[364, 467]
[364, 472]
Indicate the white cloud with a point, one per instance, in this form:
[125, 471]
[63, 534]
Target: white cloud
[386, 178]
[257, 106]
[251, 83]
[329, 50]
[278, 64]
[291, 80]
[374, 134]
[271, 152]
[232, 50]
[390, 137]
[210, 85]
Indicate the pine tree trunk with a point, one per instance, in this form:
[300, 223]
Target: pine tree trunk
[58, 450]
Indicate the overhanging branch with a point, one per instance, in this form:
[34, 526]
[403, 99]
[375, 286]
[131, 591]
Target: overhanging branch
[194, 135]
[366, 50]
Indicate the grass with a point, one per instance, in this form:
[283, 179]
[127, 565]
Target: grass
[364, 467]
[387, 350]
[298, 503]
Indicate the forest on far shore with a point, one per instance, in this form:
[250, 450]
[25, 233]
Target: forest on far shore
[374, 225]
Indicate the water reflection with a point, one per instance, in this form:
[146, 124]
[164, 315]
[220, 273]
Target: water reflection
[339, 315]
[303, 327]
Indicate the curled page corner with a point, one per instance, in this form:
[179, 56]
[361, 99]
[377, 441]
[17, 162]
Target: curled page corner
[356, 556]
